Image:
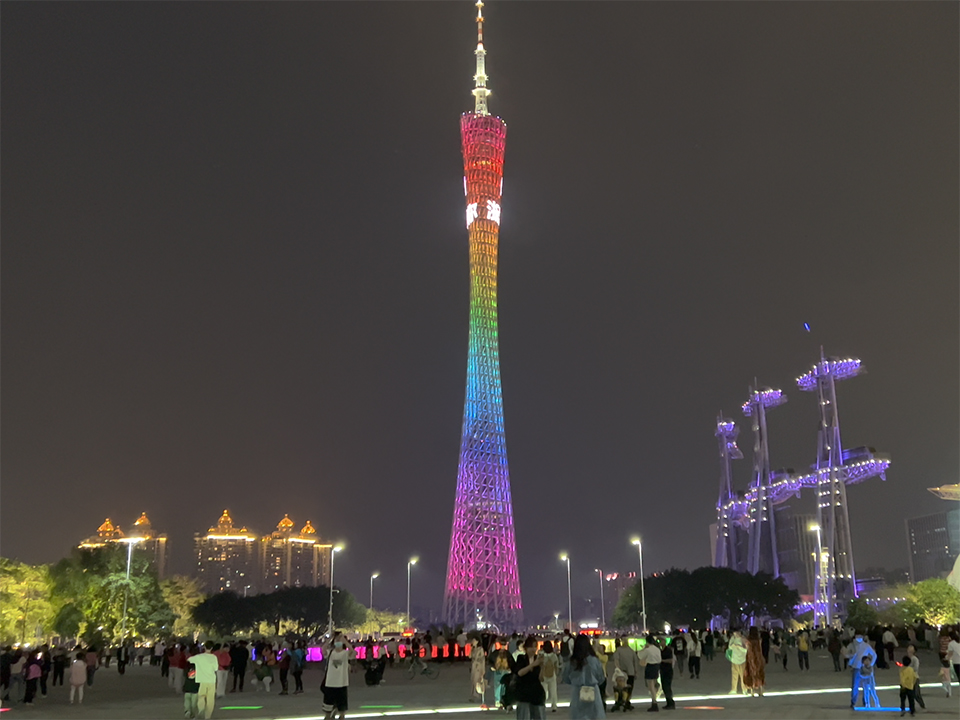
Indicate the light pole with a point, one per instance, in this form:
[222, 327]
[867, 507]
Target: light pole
[410, 563]
[130, 541]
[372, 578]
[603, 611]
[818, 579]
[643, 595]
[333, 555]
[566, 558]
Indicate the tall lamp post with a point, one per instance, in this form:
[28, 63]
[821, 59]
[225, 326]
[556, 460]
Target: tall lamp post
[373, 577]
[643, 595]
[410, 563]
[603, 611]
[333, 555]
[818, 579]
[130, 541]
[566, 558]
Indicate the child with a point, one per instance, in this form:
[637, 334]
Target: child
[78, 676]
[191, 693]
[908, 680]
[945, 675]
[869, 684]
[621, 691]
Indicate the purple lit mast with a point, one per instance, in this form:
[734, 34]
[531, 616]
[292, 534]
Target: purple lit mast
[725, 550]
[762, 553]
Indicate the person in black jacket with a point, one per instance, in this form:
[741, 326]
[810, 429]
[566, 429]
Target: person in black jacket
[528, 694]
[238, 663]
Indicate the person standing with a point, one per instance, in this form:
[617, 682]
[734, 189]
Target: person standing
[59, 664]
[336, 679]
[239, 655]
[915, 664]
[889, 642]
[478, 667]
[123, 656]
[222, 654]
[706, 641]
[178, 664]
[861, 652]
[32, 676]
[283, 663]
[650, 659]
[694, 650]
[625, 660]
[737, 655]
[583, 673]
[803, 650]
[500, 660]
[206, 664]
[530, 695]
[298, 661]
[158, 651]
[754, 671]
[953, 653]
[461, 645]
[680, 650]
[666, 675]
[191, 694]
[833, 647]
[908, 681]
[93, 661]
[549, 670]
[78, 676]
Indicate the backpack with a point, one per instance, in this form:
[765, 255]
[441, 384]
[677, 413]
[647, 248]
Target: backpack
[564, 648]
[549, 668]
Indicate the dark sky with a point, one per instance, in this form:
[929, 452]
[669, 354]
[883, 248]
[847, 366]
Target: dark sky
[235, 268]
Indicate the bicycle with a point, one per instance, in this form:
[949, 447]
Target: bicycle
[419, 667]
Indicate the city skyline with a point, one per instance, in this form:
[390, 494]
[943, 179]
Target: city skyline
[233, 269]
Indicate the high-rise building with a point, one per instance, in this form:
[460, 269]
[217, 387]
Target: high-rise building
[933, 542]
[226, 558]
[288, 559]
[142, 534]
[483, 583]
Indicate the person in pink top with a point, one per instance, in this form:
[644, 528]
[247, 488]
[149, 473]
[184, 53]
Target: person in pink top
[78, 676]
[223, 666]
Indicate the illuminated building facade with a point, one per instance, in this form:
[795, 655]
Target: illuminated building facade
[148, 541]
[934, 544]
[226, 558]
[288, 559]
[483, 583]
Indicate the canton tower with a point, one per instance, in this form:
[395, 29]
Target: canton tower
[483, 584]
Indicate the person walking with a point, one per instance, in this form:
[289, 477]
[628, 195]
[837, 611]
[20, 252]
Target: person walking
[298, 661]
[222, 654]
[93, 661]
[78, 676]
[478, 671]
[650, 659]
[239, 655]
[803, 650]
[908, 682]
[889, 641]
[833, 647]
[178, 666]
[31, 674]
[737, 655]
[680, 650]
[206, 664]
[754, 670]
[549, 671]
[706, 640]
[583, 673]
[191, 694]
[46, 665]
[336, 678]
[953, 653]
[530, 695]
[915, 664]
[59, 659]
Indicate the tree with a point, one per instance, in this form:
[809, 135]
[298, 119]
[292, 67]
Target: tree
[382, 621]
[225, 613]
[26, 613]
[861, 615]
[92, 584]
[938, 602]
[182, 594]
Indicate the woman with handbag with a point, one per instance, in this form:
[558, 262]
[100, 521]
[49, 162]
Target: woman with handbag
[584, 674]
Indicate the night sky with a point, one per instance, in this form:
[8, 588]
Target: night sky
[235, 268]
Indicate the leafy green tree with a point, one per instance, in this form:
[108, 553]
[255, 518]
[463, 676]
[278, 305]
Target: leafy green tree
[225, 614]
[382, 621]
[26, 612]
[861, 615]
[937, 600]
[92, 583]
[182, 594]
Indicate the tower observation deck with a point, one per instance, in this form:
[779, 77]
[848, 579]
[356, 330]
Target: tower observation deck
[483, 584]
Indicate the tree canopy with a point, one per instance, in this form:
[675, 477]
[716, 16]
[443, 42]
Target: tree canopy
[682, 597]
[26, 610]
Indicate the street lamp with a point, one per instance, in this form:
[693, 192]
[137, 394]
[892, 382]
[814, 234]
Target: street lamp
[818, 578]
[372, 578]
[603, 611]
[566, 558]
[130, 541]
[643, 595]
[333, 555]
[410, 563]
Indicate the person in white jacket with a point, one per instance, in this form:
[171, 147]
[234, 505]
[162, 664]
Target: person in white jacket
[624, 658]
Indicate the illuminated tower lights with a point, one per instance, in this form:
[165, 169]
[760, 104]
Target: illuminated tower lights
[483, 583]
[288, 559]
[155, 544]
[225, 557]
[725, 552]
[762, 532]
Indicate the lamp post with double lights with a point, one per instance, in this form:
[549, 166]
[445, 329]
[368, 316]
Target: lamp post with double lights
[643, 595]
[373, 577]
[410, 563]
[130, 541]
[333, 554]
[603, 611]
[566, 558]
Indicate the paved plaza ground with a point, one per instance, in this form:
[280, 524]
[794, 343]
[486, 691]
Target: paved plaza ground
[142, 694]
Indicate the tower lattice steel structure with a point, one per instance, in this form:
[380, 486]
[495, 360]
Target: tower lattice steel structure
[483, 583]
[725, 553]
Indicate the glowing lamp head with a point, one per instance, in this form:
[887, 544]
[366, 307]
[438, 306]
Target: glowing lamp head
[413, 561]
[337, 548]
[814, 527]
[375, 576]
[635, 541]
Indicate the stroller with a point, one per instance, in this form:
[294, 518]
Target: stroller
[373, 670]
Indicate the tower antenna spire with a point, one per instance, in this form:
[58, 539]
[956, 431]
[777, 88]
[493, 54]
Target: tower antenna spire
[480, 91]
